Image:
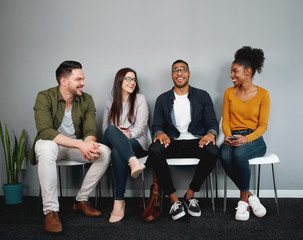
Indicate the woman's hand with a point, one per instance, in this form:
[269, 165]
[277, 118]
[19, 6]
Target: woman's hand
[125, 131]
[235, 143]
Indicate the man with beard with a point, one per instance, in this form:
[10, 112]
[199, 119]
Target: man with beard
[184, 126]
[66, 129]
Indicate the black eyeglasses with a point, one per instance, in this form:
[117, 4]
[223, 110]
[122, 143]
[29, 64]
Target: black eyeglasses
[182, 69]
[129, 80]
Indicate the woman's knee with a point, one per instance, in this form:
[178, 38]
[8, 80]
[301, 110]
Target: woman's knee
[110, 130]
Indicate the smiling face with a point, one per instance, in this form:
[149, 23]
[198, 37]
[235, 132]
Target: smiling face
[128, 83]
[74, 82]
[180, 75]
[239, 74]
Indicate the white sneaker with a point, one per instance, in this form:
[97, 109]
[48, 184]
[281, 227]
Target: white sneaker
[177, 210]
[242, 213]
[257, 208]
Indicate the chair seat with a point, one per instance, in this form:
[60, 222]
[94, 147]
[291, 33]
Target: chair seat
[69, 163]
[182, 161]
[268, 158]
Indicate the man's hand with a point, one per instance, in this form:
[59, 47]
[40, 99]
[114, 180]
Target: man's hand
[206, 139]
[90, 150]
[163, 138]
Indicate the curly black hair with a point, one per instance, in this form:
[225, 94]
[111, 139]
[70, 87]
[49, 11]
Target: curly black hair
[250, 57]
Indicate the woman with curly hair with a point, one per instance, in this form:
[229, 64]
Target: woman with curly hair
[245, 117]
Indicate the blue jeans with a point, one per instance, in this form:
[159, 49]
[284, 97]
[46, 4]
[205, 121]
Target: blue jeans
[122, 150]
[235, 160]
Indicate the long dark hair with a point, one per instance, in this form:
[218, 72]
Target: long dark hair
[116, 108]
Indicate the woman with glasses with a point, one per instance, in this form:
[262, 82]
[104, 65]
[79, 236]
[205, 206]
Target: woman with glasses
[125, 132]
[245, 117]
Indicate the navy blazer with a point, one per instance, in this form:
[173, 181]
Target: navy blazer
[203, 117]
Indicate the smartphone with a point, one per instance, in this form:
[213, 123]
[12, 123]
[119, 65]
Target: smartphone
[123, 128]
[233, 138]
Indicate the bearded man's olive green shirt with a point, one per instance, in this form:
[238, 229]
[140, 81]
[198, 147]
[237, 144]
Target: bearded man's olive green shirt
[49, 111]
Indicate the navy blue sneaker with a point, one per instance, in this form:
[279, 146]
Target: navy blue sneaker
[177, 210]
[192, 206]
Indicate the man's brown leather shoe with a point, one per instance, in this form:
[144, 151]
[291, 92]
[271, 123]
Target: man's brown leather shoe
[52, 223]
[86, 209]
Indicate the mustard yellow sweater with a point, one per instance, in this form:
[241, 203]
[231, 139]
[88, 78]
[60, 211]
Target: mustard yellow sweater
[252, 113]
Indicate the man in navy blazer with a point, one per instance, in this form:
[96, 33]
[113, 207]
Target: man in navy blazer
[184, 126]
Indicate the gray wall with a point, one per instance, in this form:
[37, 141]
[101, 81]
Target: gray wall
[36, 36]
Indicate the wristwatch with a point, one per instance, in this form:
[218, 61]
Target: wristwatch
[212, 132]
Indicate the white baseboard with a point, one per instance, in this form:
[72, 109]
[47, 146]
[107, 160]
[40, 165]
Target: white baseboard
[236, 194]
[180, 193]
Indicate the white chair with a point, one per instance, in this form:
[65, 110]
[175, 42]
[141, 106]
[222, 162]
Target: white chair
[268, 158]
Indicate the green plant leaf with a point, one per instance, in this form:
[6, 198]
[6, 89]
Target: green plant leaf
[5, 155]
[13, 157]
[20, 155]
[9, 157]
[14, 163]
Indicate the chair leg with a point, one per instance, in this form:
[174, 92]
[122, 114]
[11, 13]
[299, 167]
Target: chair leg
[225, 192]
[143, 189]
[162, 197]
[40, 204]
[96, 196]
[59, 175]
[212, 192]
[216, 179]
[98, 193]
[275, 189]
[206, 187]
[259, 174]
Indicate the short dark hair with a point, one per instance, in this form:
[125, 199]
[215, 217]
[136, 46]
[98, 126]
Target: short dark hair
[180, 61]
[65, 69]
[249, 57]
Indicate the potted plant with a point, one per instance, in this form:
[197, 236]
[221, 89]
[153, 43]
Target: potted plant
[13, 155]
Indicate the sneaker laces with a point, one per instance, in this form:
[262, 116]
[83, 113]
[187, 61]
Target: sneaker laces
[175, 206]
[193, 202]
